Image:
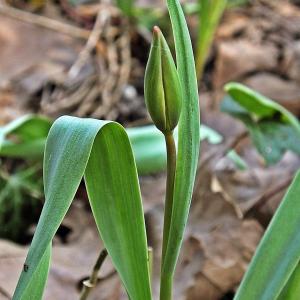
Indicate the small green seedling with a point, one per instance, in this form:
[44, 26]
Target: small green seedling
[101, 153]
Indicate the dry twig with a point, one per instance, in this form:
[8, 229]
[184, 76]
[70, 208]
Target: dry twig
[45, 22]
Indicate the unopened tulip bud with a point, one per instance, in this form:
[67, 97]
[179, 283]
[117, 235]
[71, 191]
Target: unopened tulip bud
[162, 85]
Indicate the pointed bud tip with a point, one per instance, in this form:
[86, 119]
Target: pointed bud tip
[156, 30]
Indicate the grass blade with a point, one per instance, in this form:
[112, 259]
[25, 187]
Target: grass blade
[278, 254]
[188, 137]
[69, 147]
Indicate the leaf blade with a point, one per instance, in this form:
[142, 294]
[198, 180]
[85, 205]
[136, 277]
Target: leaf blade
[38, 281]
[111, 195]
[278, 253]
[69, 145]
[188, 136]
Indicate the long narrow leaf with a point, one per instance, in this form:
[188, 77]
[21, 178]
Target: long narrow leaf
[278, 254]
[209, 17]
[71, 143]
[39, 278]
[188, 137]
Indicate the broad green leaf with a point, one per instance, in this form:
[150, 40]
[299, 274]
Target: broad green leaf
[188, 137]
[291, 290]
[272, 128]
[100, 150]
[278, 253]
[210, 14]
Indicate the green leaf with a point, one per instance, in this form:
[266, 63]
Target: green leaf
[273, 139]
[39, 278]
[278, 253]
[100, 151]
[272, 128]
[27, 149]
[209, 134]
[291, 290]
[210, 14]
[126, 6]
[25, 137]
[188, 137]
[149, 149]
[28, 127]
[258, 105]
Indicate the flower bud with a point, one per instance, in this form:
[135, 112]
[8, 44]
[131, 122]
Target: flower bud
[162, 86]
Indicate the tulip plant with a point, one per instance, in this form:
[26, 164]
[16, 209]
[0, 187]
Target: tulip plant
[101, 153]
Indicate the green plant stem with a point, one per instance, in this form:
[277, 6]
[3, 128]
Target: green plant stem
[166, 286]
[89, 284]
[166, 281]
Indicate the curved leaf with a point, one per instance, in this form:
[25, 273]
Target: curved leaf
[272, 128]
[259, 105]
[102, 150]
[278, 253]
[30, 131]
